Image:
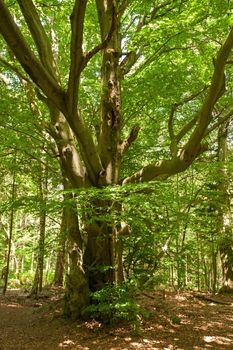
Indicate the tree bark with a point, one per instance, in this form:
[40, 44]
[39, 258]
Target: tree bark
[103, 258]
[77, 293]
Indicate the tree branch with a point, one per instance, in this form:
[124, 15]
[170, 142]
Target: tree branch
[39, 35]
[104, 43]
[175, 139]
[186, 128]
[132, 57]
[123, 6]
[27, 58]
[15, 70]
[193, 147]
[173, 144]
[123, 147]
[219, 122]
[76, 54]
[216, 90]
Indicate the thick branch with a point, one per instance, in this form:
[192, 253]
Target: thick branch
[15, 70]
[27, 58]
[173, 144]
[39, 35]
[123, 7]
[216, 90]
[88, 148]
[193, 147]
[130, 139]
[186, 128]
[76, 54]
[104, 43]
[175, 139]
[159, 171]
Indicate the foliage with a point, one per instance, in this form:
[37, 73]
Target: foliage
[165, 61]
[115, 303]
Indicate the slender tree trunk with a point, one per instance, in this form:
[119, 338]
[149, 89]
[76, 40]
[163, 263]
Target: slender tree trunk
[225, 220]
[13, 195]
[214, 271]
[38, 278]
[60, 261]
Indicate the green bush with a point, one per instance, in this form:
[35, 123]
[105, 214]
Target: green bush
[114, 303]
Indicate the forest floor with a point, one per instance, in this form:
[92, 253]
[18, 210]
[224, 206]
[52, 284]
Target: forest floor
[178, 321]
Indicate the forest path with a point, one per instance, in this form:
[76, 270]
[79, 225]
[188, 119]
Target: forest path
[179, 322]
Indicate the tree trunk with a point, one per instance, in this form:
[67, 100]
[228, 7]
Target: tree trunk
[103, 255]
[38, 278]
[226, 253]
[225, 230]
[77, 293]
[60, 261]
[13, 195]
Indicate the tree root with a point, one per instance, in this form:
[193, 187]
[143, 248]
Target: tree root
[211, 299]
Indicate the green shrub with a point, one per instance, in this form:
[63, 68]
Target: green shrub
[114, 303]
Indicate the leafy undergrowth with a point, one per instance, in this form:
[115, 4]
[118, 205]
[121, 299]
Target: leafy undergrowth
[178, 321]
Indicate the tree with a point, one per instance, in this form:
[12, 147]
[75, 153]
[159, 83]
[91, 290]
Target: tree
[92, 156]
[10, 236]
[224, 207]
[42, 189]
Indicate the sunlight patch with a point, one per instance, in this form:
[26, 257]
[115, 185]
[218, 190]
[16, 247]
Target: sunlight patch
[218, 340]
[12, 305]
[66, 343]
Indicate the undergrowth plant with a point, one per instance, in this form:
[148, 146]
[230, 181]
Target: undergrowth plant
[115, 303]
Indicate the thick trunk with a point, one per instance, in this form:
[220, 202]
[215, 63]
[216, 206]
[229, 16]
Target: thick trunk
[103, 255]
[98, 259]
[77, 289]
[111, 94]
[226, 253]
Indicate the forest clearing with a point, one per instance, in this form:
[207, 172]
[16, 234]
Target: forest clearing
[116, 166]
[180, 321]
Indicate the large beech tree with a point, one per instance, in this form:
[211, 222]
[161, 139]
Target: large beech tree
[92, 156]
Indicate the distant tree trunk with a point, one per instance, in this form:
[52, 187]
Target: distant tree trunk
[42, 189]
[225, 219]
[13, 195]
[60, 261]
[198, 262]
[214, 271]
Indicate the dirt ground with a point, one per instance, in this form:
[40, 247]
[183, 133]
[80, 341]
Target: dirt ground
[180, 321]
